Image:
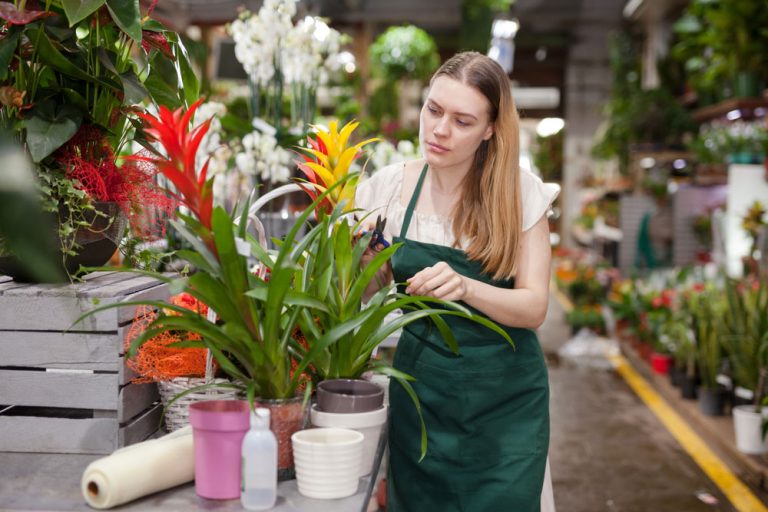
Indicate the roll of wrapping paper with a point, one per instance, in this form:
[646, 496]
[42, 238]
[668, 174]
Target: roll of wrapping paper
[140, 469]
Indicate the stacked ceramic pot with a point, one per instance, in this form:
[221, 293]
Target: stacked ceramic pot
[342, 405]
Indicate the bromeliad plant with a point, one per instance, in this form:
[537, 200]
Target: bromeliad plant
[315, 283]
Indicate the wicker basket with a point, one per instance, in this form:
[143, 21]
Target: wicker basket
[177, 414]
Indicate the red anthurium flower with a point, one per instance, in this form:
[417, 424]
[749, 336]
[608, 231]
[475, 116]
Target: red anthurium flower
[13, 16]
[171, 130]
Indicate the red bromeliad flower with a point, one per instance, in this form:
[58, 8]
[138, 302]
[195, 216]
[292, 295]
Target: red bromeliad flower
[171, 130]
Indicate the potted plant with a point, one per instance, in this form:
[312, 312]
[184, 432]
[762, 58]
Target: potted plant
[70, 90]
[707, 312]
[257, 312]
[753, 223]
[724, 40]
[745, 335]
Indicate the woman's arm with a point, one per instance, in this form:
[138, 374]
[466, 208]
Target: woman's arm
[524, 306]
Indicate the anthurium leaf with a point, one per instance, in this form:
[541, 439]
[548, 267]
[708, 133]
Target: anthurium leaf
[161, 91]
[50, 55]
[77, 10]
[190, 85]
[46, 135]
[153, 25]
[7, 49]
[127, 16]
[75, 98]
[135, 92]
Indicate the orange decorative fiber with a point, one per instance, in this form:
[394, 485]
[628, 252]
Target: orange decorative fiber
[155, 360]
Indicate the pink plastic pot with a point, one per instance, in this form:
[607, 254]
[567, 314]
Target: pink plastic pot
[218, 428]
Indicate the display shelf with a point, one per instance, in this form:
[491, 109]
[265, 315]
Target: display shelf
[749, 108]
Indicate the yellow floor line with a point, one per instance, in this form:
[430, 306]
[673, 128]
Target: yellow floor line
[734, 489]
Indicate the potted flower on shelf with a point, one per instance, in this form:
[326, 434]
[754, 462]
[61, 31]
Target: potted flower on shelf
[69, 91]
[707, 312]
[745, 336]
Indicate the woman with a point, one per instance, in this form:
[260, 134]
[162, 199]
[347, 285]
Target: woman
[474, 229]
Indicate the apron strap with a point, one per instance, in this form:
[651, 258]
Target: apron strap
[412, 202]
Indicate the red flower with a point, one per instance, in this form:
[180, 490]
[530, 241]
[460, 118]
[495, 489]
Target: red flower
[171, 130]
[158, 41]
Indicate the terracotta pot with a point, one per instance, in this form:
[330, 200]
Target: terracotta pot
[288, 417]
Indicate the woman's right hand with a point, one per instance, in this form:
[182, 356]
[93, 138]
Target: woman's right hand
[384, 275]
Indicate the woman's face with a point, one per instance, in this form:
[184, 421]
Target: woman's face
[454, 120]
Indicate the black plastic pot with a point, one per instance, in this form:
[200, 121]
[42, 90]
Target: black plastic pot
[676, 376]
[96, 244]
[688, 387]
[711, 401]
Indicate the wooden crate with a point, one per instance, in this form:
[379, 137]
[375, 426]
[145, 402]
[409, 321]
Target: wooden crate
[65, 388]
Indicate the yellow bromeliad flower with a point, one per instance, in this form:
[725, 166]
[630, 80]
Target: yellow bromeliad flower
[328, 160]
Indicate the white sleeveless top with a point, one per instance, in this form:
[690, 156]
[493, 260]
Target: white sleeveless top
[380, 194]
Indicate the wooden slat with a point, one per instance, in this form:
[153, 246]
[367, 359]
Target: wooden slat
[58, 435]
[37, 349]
[44, 313]
[134, 398]
[141, 428]
[48, 389]
[157, 292]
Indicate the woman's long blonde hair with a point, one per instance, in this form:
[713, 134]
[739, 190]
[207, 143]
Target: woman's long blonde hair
[489, 212]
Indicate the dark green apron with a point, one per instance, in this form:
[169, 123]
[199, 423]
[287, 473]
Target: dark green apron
[486, 409]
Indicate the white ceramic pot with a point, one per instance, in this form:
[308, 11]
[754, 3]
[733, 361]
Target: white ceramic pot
[748, 425]
[370, 424]
[327, 462]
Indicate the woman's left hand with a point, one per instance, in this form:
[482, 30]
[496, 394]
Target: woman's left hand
[439, 281]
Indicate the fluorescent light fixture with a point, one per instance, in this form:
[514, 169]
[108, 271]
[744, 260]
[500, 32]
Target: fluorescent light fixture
[505, 29]
[536, 97]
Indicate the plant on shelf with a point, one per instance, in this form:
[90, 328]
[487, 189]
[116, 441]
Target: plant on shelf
[707, 310]
[404, 55]
[753, 223]
[70, 91]
[702, 229]
[745, 334]
[548, 155]
[724, 40]
[636, 117]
